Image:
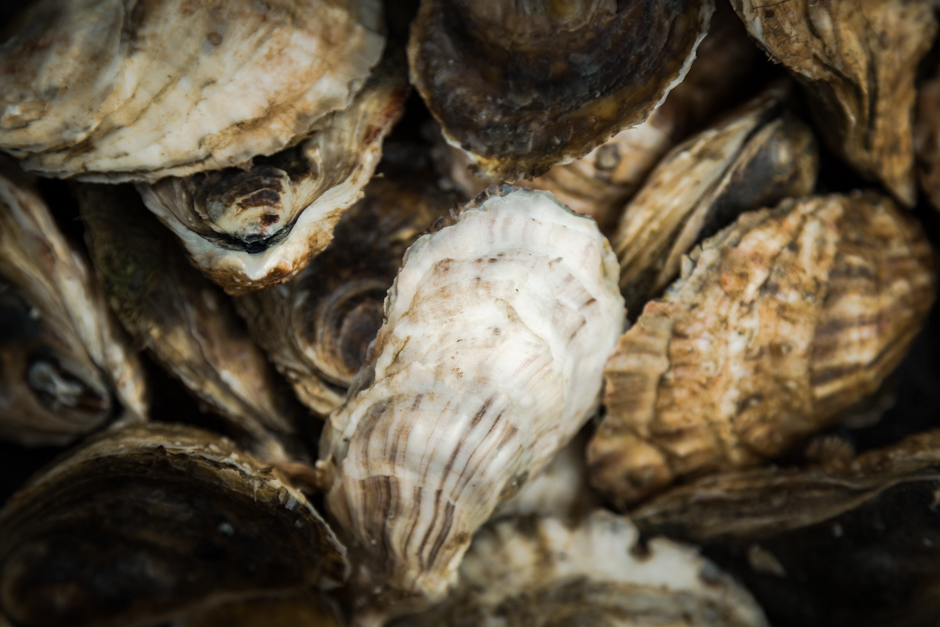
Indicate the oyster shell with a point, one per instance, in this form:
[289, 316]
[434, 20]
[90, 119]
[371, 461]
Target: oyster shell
[540, 572]
[488, 362]
[187, 323]
[117, 90]
[253, 227]
[523, 85]
[755, 158]
[316, 327]
[858, 61]
[851, 543]
[786, 318]
[146, 523]
[66, 368]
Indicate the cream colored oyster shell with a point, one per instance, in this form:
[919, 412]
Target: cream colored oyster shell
[541, 572]
[489, 361]
[116, 90]
[779, 323]
[66, 367]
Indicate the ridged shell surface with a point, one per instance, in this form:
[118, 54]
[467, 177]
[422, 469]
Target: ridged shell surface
[489, 361]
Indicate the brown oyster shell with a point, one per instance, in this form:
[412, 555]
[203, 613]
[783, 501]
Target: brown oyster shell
[188, 324]
[779, 323]
[146, 523]
[849, 543]
[117, 90]
[754, 158]
[253, 227]
[316, 327]
[524, 85]
[858, 61]
[66, 367]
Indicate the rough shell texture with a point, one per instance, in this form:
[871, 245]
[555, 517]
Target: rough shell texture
[251, 228]
[850, 543]
[317, 326]
[112, 90]
[148, 522]
[187, 323]
[524, 85]
[66, 367]
[541, 572]
[755, 158]
[786, 318]
[488, 362]
[858, 61]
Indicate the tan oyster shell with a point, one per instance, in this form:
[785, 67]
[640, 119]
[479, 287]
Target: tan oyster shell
[858, 61]
[151, 522]
[778, 323]
[66, 367]
[754, 158]
[251, 228]
[317, 326]
[545, 571]
[115, 90]
[489, 360]
[188, 324]
[523, 85]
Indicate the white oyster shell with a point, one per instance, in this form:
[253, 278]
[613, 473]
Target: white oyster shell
[115, 90]
[489, 361]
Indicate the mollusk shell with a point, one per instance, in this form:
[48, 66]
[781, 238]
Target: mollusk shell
[779, 323]
[119, 90]
[488, 362]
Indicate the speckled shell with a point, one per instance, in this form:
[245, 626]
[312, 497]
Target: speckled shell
[778, 324]
[114, 90]
[147, 523]
[541, 572]
[488, 362]
[317, 326]
[258, 226]
[189, 326]
[754, 158]
[523, 85]
[858, 61]
[66, 367]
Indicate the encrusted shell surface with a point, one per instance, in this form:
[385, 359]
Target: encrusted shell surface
[188, 324]
[113, 90]
[143, 524]
[779, 323]
[541, 572]
[66, 367]
[754, 158]
[252, 227]
[317, 326]
[858, 61]
[523, 85]
[488, 362]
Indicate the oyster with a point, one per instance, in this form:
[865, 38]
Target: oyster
[143, 524]
[779, 323]
[847, 543]
[488, 362]
[252, 227]
[187, 323]
[523, 85]
[316, 327]
[541, 572]
[118, 90]
[858, 61]
[66, 368]
[301, 610]
[755, 158]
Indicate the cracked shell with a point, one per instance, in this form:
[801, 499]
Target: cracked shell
[779, 323]
[488, 362]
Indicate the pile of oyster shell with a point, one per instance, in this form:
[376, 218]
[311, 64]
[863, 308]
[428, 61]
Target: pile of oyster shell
[493, 312]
